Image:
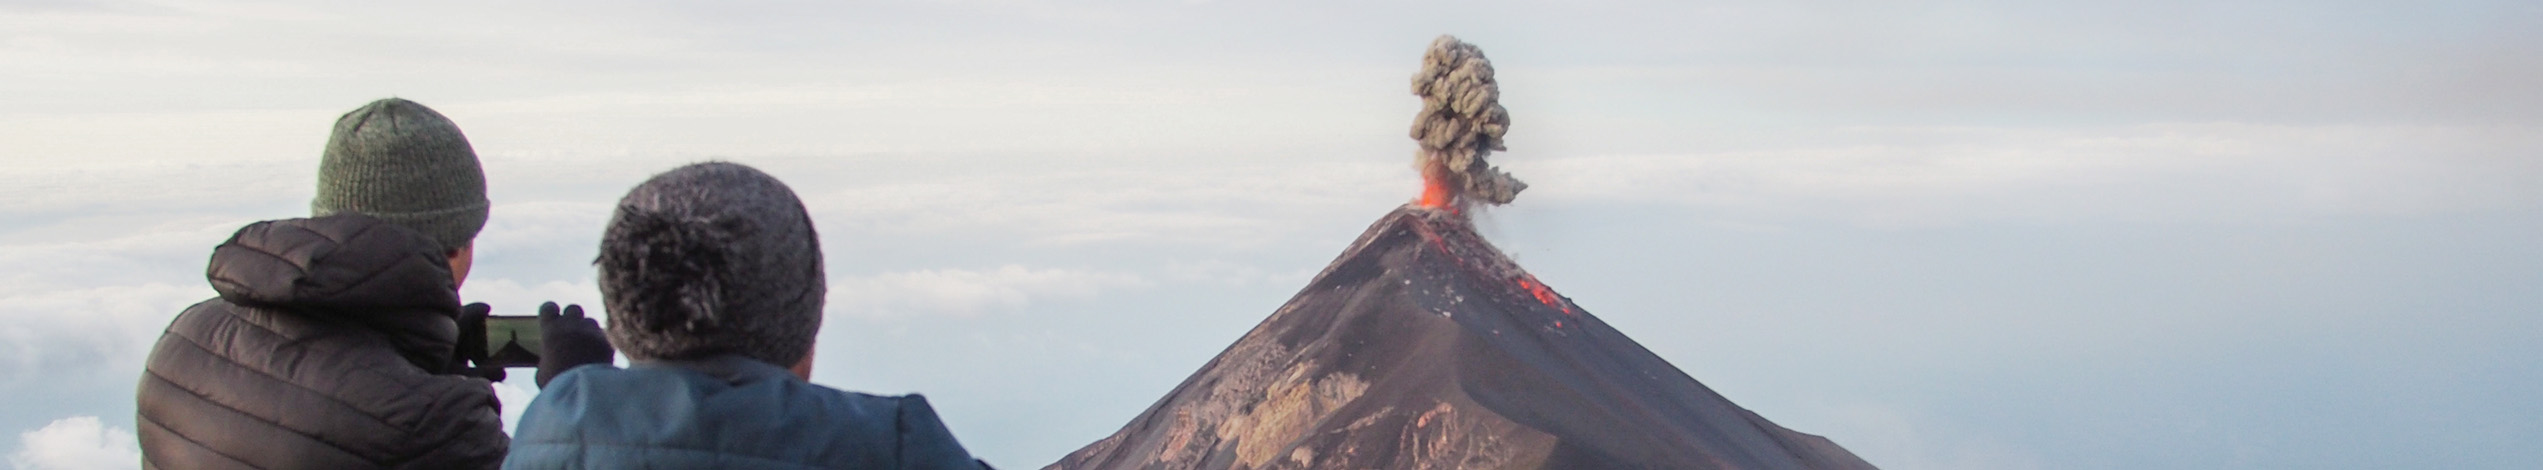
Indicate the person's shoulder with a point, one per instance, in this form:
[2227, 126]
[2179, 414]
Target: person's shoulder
[908, 422]
[924, 440]
[599, 384]
[896, 406]
[276, 342]
[219, 316]
[608, 386]
[913, 410]
[870, 413]
[353, 363]
[870, 399]
[598, 396]
[582, 376]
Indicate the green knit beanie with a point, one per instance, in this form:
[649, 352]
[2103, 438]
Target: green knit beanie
[401, 162]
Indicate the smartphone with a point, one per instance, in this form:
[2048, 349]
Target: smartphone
[513, 341]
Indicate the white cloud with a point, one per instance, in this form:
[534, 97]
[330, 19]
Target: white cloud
[510, 297]
[91, 309]
[76, 443]
[1942, 176]
[67, 143]
[1113, 201]
[1234, 274]
[516, 397]
[86, 332]
[963, 292]
[1894, 439]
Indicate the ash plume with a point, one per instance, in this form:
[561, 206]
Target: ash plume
[1461, 123]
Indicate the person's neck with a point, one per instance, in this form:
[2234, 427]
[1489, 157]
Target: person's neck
[731, 368]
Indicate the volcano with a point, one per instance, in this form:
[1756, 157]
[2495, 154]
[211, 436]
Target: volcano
[1424, 347]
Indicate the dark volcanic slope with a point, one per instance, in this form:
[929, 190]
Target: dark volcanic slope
[1423, 347]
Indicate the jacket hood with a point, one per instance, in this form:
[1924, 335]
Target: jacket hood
[347, 267]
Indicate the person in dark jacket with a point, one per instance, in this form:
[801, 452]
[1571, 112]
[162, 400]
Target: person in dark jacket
[334, 341]
[712, 277]
[319, 353]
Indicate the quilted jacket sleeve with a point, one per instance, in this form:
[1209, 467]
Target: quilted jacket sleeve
[245, 388]
[466, 429]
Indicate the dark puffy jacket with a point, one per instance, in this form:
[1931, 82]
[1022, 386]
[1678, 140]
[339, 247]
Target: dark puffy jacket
[322, 352]
[724, 412]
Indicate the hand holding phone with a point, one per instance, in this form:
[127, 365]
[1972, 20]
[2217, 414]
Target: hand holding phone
[513, 341]
[472, 344]
[554, 341]
[569, 340]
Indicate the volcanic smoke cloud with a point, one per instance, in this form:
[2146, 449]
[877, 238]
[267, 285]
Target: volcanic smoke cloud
[1461, 122]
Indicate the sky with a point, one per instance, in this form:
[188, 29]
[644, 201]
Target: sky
[1946, 235]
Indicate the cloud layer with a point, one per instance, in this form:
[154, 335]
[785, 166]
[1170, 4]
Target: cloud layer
[968, 292]
[76, 443]
[2141, 173]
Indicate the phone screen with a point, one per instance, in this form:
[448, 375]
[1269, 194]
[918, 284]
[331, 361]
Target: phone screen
[513, 341]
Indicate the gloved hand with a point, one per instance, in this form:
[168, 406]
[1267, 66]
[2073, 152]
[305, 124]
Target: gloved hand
[570, 340]
[471, 360]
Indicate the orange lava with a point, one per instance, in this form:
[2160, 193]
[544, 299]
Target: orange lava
[1544, 295]
[1435, 193]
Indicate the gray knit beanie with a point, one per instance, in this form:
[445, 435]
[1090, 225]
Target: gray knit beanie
[401, 162]
[712, 258]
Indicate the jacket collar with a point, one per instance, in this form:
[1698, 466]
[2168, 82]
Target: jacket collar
[730, 368]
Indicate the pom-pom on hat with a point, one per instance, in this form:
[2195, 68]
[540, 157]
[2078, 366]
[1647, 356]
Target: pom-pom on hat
[712, 258]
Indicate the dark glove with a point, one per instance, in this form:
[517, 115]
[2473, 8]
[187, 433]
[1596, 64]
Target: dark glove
[471, 360]
[570, 340]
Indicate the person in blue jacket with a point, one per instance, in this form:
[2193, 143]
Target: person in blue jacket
[712, 277]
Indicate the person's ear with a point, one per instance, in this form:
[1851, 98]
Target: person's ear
[462, 258]
[803, 368]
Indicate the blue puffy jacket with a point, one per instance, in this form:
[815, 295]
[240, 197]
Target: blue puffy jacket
[724, 412]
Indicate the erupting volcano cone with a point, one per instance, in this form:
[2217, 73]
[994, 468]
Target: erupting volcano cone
[1423, 347]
